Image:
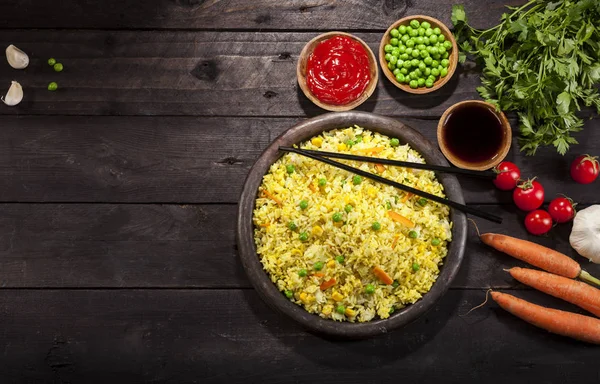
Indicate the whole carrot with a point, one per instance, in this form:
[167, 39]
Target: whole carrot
[569, 324]
[575, 292]
[538, 255]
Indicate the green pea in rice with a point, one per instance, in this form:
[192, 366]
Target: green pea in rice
[413, 263]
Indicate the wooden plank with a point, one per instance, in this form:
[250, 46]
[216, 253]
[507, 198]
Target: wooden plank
[238, 14]
[213, 336]
[196, 160]
[138, 245]
[186, 73]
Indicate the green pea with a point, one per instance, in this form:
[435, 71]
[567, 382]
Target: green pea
[392, 310]
[51, 61]
[435, 64]
[428, 83]
[419, 39]
[421, 82]
[402, 29]
[416, 267]
[433, 51]
[394, 142]
[348, 208]
[414, 33]
[303, 236]
[413, 75]
[409, 29]
[422, 201]
[401, 49]
[422, 66]
[406, 65]
[400, 78]
[431, 78]
[410, 43]
[340, 309]
[422, 47]
[416, 53]
[387, 56]
[394, 41]
[448, 45]
[399, 63]
[370, 289]
[58, 67]
[441, 49]
[424, 54]
[425, 25]
[356, 179]
[376, 226]
[421, 31]
[358, 138]
[395, 284]
[388, 205]
[414, 84]
[289, 294]
[352, 142]
[415, 62]
[435, 242]
[436, 56]
[292, 226]
[444, 72]
[415, 23]
[340, 259]
[302, 273]
[437, 31]
[427, 71]
[445, 55]
[388, 48]
[426, 40]
[404, 71]
[404, 38]
[396, 71]
[290, 168]
[435, 72]
[391, 66]
[337, 217]
[394, 32]
[322, 182]
[433, 39]
[52, 86]
[428, 60]
[303, 204]
[404, 56]
[318, 265]
[429, 32]
[393, 60]
[408, 50]
[445, 63]
[413, 234]
[418, 72]
[441, 38]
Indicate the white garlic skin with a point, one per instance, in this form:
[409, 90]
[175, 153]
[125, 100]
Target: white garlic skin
[16, 58]
[14, 94]
[585, 235]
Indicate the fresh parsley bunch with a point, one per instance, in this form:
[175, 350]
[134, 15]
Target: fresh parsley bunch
[543, 61]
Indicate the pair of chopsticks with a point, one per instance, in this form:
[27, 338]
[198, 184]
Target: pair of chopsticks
[323, 156]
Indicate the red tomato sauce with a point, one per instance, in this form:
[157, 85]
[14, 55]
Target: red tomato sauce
[338, 70]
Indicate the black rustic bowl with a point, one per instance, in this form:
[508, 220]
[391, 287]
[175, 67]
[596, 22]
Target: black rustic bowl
[245, 227]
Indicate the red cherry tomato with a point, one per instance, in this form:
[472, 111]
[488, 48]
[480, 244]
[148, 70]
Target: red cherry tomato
[585, 169]
[529, 195]
[508, 176]
[561, 209]
[538, 222]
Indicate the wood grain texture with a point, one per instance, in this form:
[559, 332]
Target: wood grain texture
[194, 74]
[198, 160]
[216, 336]
[238, 14]
[173, 246]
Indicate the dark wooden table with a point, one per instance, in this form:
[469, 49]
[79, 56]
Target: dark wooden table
[118, 203]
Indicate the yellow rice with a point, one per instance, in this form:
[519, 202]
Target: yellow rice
[413, 263]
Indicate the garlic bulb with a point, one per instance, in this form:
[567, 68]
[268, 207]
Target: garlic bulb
[585, 235]
[16, 58]
[14, 94]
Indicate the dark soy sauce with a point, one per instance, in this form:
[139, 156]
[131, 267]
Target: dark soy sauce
[473, 133]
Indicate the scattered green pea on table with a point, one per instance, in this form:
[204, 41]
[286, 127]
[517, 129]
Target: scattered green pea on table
[417, 54]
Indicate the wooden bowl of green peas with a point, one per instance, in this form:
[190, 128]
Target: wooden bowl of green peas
[418, 54]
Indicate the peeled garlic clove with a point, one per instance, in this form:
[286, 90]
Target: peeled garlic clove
[16, 58]
[14, 94]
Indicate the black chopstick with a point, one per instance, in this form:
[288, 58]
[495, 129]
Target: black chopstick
[383, 180]
[399, 163]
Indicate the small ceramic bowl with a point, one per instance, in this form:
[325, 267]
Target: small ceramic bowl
[453, 58]
[480, 166]
[301, 73]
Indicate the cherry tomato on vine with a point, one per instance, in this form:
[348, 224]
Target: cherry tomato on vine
[529, 195]
[561, 209]
[508, 176]
[585, 169]
[538, 222]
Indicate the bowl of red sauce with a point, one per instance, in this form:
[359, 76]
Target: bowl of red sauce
[337, 71]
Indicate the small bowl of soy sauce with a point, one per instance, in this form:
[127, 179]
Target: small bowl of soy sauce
[473, 135]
